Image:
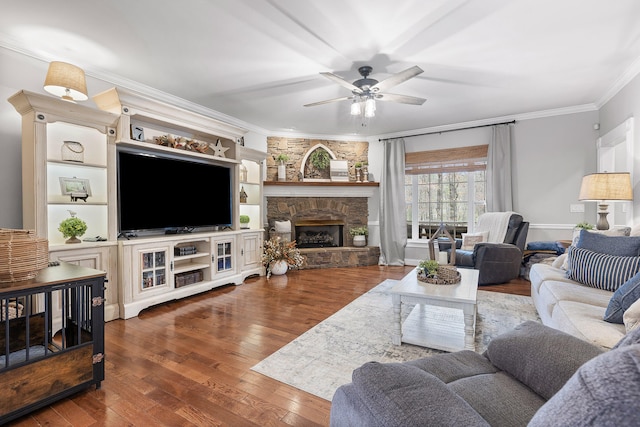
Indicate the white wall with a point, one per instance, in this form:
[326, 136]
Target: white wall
[626, 104]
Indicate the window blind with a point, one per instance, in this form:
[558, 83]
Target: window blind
[462, 159]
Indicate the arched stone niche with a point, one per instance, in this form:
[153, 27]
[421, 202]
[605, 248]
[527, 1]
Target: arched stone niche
[309, 172]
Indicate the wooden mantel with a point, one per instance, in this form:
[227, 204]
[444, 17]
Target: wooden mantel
[320, 189]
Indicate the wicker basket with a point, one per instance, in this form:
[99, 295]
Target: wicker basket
[22, 254]
[15, 310]
[446, 275]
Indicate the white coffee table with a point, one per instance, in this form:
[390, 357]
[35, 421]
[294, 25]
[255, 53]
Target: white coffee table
[444, 316]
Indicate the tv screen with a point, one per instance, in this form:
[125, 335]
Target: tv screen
[159, 192]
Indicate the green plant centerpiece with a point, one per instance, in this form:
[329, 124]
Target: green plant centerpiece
[358, 165]
[275, 250]
[244, 221]
[71, 228]
[430, 271]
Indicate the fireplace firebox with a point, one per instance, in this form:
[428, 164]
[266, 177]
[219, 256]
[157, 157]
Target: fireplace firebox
[313, 233]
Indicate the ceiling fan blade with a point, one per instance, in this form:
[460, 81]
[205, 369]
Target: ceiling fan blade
[403, 99]
[396, 79]
[344, 98]
[342, 82]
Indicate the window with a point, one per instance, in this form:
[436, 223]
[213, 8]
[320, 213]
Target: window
[444, 186]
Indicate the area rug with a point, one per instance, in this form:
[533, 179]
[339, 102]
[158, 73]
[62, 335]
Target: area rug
[323, 358]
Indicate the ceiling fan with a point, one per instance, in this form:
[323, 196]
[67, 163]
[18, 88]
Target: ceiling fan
[369, 90]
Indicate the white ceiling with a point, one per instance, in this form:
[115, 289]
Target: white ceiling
[259, 60]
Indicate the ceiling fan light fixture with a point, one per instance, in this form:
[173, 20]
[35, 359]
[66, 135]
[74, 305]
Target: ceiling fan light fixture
[355, 108]
[370, 107]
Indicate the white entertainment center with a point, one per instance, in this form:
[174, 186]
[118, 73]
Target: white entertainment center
[146, 268]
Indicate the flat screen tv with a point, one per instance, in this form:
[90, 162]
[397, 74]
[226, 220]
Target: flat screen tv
[160, 192]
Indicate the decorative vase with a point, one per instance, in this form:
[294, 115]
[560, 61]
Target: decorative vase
[282, 172]
[279, 267]
[359, 241]
[73, 239]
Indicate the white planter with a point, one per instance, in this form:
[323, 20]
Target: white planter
[279, 268]
[282, 172]
[359, 240]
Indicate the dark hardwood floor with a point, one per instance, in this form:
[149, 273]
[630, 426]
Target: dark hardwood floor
[188, 362]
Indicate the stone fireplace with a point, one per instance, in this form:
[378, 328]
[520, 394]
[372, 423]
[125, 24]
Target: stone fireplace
[320, 224]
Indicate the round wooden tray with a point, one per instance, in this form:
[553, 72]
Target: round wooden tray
[446, 275]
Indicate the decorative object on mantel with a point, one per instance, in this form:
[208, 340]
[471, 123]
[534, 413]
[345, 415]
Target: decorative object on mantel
[244, 221]
[22, 255]
[339, 170]
[429, 271]
[282, 167]
[218, 149]
[275, 250]
[72, 151]
[72, 227]
[365, 172]
[358, 167]
[432, 252]
[359, 236]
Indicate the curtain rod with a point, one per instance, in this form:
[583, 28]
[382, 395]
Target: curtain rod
[449, 130]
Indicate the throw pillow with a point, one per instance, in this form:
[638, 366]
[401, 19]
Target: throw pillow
[560, 262]
[631, 317]
[622, 299]
[599, 270]
[469, 240]
[612, 245]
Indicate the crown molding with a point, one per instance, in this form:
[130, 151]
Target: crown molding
[620, 83]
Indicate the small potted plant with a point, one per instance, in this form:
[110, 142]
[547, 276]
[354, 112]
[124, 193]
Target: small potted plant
[71, 228]
[282, 168]
[358, 167]
[244, 221]
[359, 235]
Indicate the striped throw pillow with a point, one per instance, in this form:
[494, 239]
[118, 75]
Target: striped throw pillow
[600, 271]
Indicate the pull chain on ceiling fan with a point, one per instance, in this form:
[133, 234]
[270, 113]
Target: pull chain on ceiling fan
[367, 90]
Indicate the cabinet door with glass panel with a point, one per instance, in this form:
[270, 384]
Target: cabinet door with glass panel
[152, 270]
[224, 256]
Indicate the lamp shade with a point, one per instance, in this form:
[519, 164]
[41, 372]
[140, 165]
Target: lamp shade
[606, 186]
[66, 81]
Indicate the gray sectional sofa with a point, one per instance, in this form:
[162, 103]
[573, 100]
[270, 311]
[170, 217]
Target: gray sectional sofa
[534, 375]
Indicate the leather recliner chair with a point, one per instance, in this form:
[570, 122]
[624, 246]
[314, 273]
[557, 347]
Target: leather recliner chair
[496, 262]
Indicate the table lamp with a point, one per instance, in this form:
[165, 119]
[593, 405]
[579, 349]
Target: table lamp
[603, 187]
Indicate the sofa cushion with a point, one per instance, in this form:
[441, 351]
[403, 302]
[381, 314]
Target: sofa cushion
[402, 395]
[585, 322]
[631, 317]
[530, 354]
[567, 291]
[611, 245]
[540, 273]
[604, 392]
[622, 299]
[600, 270]
[469, 240]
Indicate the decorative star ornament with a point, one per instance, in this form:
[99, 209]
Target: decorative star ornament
[218, 149]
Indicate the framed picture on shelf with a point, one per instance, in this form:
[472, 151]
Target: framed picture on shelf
[76, 188]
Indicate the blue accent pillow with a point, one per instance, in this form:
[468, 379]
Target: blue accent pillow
[612, 245]
[600, 271]
[622, 299]
[546, 246]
